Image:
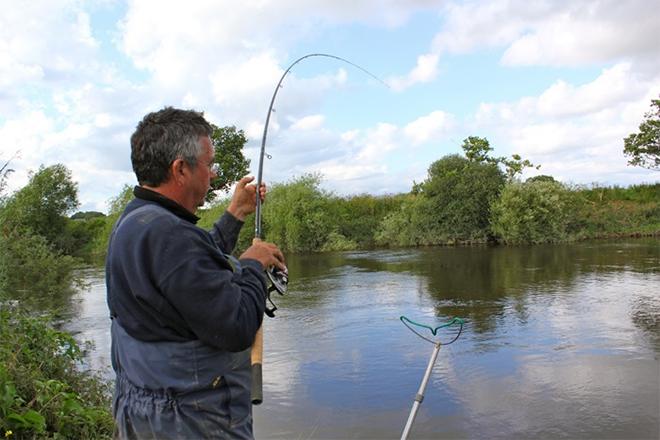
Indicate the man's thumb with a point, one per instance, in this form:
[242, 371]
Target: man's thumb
[244, 181]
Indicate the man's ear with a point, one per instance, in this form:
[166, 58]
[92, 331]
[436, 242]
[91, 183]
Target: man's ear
[178, 171]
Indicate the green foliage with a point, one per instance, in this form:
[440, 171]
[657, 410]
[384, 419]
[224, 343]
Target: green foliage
[649, 193]
[536, 211]
[297, 216]
[643, 147]
[32, 269]
[357, 218]
[477, 149]
[408, 225]
[42, 205]
[79, 235]
[612, 211]
[457, 195]
[43, 393]
[86, 215]
[451, 205]
[99, 245]
[228, 143]
[337, 242]
[515, 166]
[541, 178]
[5, 171]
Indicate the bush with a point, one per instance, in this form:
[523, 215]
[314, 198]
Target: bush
[33, 269]
[452, 205]
[357, 218]
[297, 215]
[407, 226]
[42, 392]
[41, 205]
[459, 193]
[99, 245]
[537, 211]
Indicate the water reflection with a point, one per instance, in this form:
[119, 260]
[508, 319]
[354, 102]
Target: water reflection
[560, 341]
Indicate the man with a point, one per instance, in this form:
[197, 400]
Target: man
[184, 313]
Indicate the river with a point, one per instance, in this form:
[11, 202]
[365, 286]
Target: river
[560, 341]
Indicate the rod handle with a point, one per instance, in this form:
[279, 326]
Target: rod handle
[256, 359]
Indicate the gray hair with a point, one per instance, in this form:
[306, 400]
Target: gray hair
[161, 138]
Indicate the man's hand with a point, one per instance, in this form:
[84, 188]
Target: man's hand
[266, 253]
[244, 200]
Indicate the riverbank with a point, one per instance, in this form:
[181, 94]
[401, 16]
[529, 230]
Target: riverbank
[43, 392]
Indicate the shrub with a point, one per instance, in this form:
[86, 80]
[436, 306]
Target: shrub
[33, 269]
[99, 246]
[41, 205]
[537, 211]
[42, 392]
[297, 215]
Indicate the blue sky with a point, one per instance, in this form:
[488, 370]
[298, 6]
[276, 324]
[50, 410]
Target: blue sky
[559, 82]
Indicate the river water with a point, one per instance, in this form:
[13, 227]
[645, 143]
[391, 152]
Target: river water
[559, 342]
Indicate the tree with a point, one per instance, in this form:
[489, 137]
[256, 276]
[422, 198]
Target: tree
[297, 215]
[644, 147]
[476, 150]
[4, 174]
[228, 143]
[458, 194]
[537, 211]
[43, 204]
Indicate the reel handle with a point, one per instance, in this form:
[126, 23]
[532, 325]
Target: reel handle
[279, 282]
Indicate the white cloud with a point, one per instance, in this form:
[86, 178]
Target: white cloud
[558, 33]
[64, 99]
[312, 122]
[428, 127]
[49, 41]
[425, 71]
[575, 132]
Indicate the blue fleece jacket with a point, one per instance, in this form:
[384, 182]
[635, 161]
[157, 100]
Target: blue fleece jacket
[169, 280]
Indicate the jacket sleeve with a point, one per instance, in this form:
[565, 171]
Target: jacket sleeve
[225, 232]
[223, 308]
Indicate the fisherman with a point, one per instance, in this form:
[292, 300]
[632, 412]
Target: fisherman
[184, 312]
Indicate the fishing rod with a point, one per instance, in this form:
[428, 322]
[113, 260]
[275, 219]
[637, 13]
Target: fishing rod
[277, 278]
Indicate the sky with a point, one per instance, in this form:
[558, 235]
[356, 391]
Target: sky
[559, 82]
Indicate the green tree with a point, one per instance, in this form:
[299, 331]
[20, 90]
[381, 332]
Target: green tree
[458, 193]
[643, 147]
[228, 143]
[537, 211]
[4, 174]
[297, 214]
[477, 150]
[43, 204]
[33, 270]
[117, 204]
[451, 205]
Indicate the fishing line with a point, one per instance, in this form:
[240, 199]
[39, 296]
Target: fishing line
[257, 221]
[278, 279]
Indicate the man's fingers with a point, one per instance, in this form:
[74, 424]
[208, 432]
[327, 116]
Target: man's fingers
[244, 181]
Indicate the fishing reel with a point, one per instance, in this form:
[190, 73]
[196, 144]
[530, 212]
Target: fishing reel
[278, 282]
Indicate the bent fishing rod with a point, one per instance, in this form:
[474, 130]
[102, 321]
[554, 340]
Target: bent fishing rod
[277, 279]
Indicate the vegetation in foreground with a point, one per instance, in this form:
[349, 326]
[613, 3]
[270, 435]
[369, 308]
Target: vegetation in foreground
[43, 392]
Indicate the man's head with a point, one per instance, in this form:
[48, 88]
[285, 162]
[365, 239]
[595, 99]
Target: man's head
[161, 138]
[172, 153]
